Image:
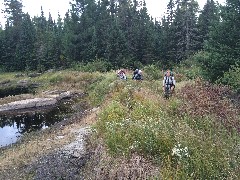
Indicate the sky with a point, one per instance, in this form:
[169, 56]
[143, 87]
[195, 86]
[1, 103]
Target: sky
[156, 8]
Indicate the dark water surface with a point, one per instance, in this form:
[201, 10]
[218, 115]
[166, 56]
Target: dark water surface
[13, 126]
[15, 91]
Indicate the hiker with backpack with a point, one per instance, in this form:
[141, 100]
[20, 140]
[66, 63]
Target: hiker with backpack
[137, 75]
[169, 82]
[121, 74]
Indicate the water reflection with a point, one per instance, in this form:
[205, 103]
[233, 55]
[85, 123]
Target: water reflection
[14, 125]
[9, 134]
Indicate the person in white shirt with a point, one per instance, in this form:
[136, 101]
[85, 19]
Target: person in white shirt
[169, 81]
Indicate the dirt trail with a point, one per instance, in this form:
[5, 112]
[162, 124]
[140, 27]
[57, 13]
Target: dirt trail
[63, 163]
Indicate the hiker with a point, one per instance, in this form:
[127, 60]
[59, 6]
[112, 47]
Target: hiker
[121, 74]
[137, 75]
[169, 81]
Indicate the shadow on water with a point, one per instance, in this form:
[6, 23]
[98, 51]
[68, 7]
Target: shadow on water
[16, 90]
[12, 126]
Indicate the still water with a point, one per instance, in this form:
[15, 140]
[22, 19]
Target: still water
[13, 126]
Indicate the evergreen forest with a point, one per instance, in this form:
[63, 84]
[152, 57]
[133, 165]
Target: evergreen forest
[121, 34]
[105, 127]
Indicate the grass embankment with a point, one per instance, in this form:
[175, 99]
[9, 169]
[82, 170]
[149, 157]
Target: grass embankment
[34, 145]
[194, 135]
[66, 80]
[139, 134]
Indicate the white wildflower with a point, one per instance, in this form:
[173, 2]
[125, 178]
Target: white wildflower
[180, 151]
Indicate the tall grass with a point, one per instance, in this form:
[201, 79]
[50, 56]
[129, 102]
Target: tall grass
[100, 88]
[193, 135]
[185, 146]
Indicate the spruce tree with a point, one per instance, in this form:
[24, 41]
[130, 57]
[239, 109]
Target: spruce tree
[208, 17]
[14, 15]
[25, 47]
[183, 35]
[223, 45]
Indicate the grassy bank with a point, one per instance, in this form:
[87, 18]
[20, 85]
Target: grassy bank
[32, 146]
[194, 135]
[138, 134]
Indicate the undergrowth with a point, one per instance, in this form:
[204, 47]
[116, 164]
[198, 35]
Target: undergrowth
[193, 135]
[189, 136]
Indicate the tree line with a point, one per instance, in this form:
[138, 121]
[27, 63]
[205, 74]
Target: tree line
[123, 34]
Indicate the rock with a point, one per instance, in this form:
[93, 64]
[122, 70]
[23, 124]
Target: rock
[64, 95]
[77, 147]
[95, 109]
[23, 83]
[19, 75]
[59, 137]
[55, 92]
[34, 75]
[58, 94]
[46, 102]
[28, 103]
[50, 70]
[52, 99]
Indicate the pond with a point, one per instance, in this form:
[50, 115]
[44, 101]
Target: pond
[13, 126]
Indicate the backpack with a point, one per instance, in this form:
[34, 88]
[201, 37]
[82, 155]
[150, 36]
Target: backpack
[171, 77]
[135, 72]
[137, 75]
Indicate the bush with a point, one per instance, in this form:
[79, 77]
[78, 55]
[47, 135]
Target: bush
[204, 99]
[215, 64]
[56, 78]
[133, 123]
[100, 88]
[182, 135]
[153, 72]
[190, 68]
[2, 69]
[232, 78]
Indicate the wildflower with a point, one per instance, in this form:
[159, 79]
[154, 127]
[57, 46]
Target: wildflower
[180, 151]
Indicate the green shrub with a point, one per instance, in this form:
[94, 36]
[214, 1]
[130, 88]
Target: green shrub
[152, 72]
[186, 144]
[2, 69]
[215, 64]
[133, 123]
[190, 68]
[56, 78]
[100, 88]
[232, 78]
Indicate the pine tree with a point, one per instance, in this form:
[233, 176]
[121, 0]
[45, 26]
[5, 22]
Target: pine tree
[170, 11]
[41, 46]
[13, 11]
[14, 15]
[62, 62]
[147, 37]
[69, 42]
[208, 17]
[183, 31]
[1, 49]
[102, 29]
[223, 45]
[25, 47]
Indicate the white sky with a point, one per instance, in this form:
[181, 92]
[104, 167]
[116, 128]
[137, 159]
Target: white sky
[156, 8]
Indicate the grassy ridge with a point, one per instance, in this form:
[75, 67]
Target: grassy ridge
[194, 135]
